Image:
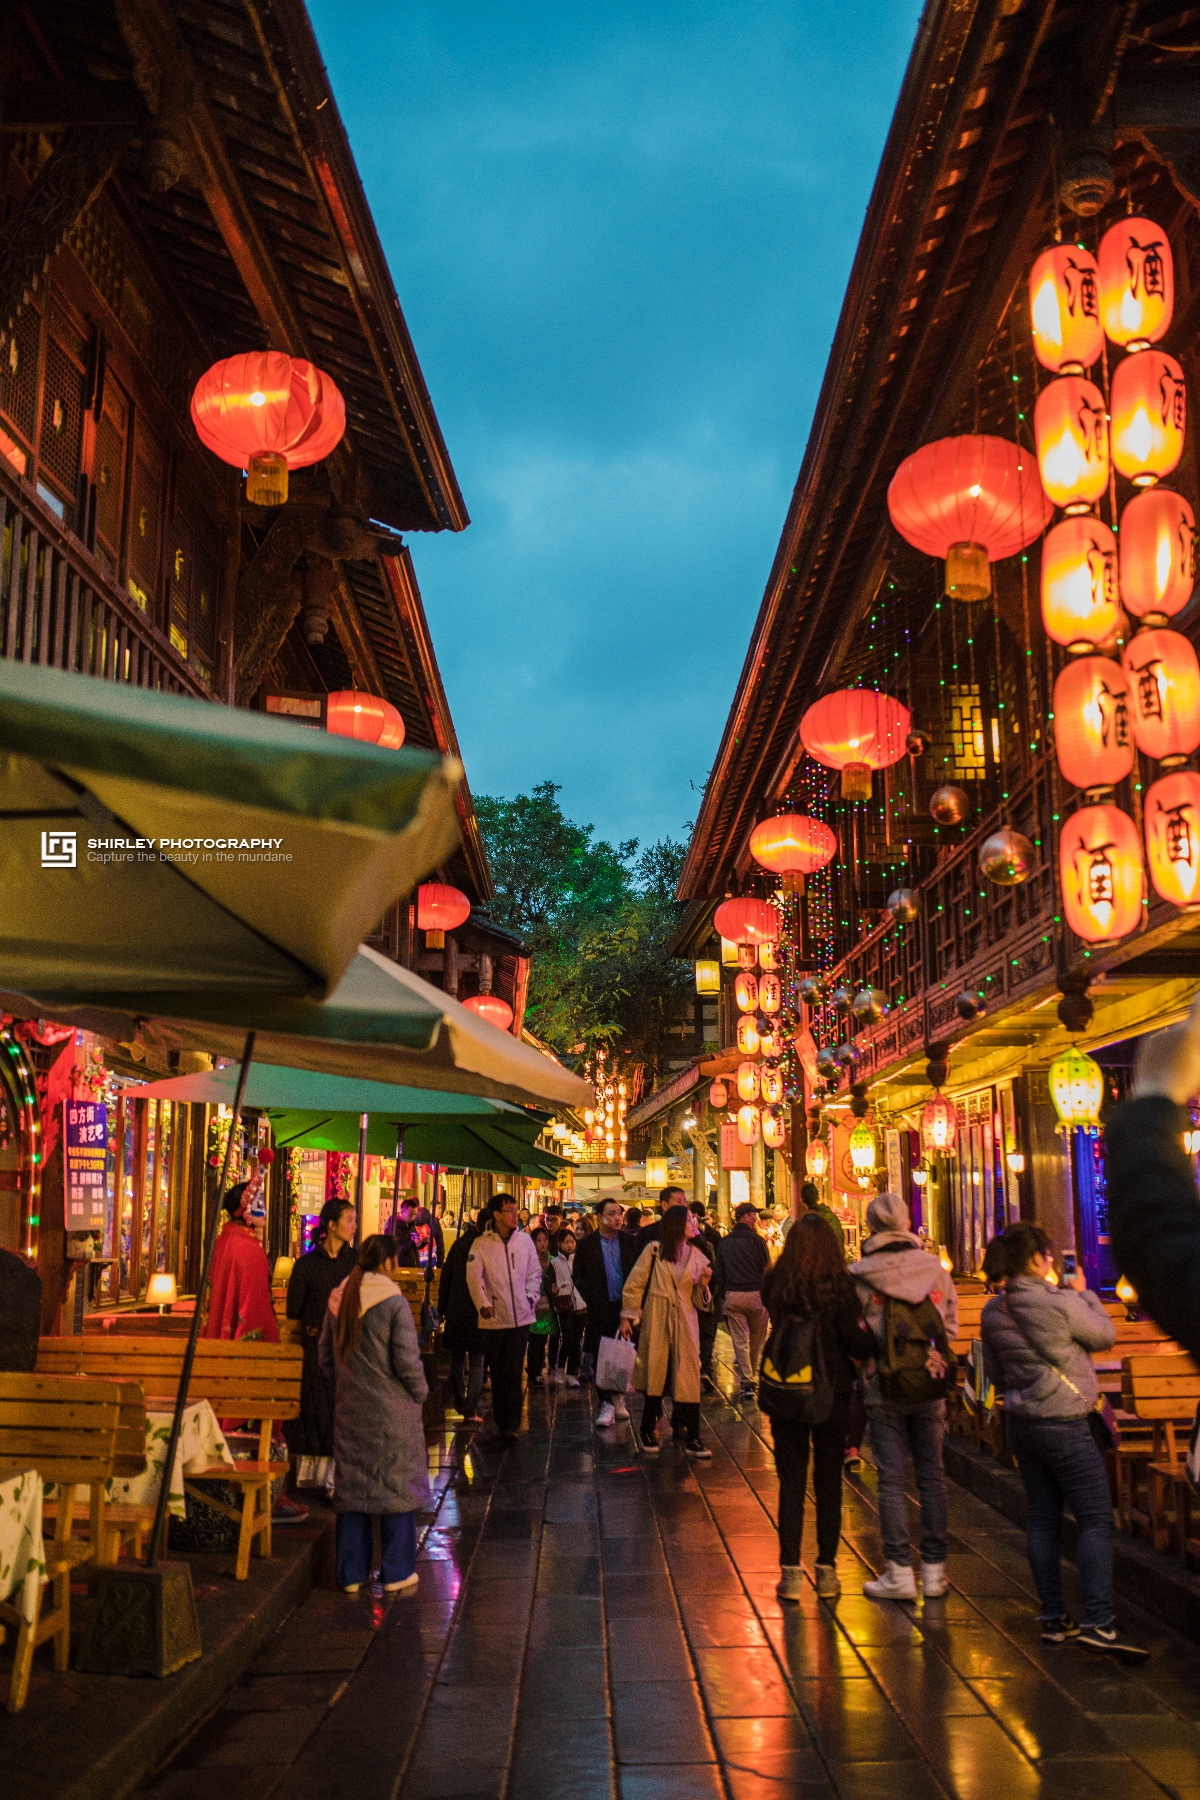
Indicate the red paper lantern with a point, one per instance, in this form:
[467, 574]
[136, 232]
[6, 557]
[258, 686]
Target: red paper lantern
[770, 1083]
[440, 909]
[1100, 862]
[747, 1035]
[349, 713]
[745, 991]
[774, 1128]
[747, 1081]
[856, 730]
[267, 412]
[1080, 607]
[1065, 310]
[939, 1123]
[748, 1124]
[1137, 282]
[1093, 734]
[1164, 693]
[1071, 432]
[1172, 820]
[491, 1007]
[770, 993]
[718, 1096]
[1158, 554]
[1149, 416]
[792, 845]
[747, 921]
[972, 500]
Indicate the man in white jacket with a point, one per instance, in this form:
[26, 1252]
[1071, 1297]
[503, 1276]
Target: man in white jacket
[505, 1280]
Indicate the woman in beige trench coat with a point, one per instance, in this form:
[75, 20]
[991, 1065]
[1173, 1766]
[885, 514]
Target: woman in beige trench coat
[662, 1292]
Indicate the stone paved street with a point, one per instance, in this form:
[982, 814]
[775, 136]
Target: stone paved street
[591, 1626]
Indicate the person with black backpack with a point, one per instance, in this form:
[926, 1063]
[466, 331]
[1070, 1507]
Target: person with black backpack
[805, 1382]
[911, 1305]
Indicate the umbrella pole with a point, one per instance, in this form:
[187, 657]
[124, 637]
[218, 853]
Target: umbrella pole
[396, 1182]
[363, 1121]
[433, 1195]
[185, 1377]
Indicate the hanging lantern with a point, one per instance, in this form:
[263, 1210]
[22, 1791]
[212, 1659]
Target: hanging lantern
[769, 1042]
[774, 1128]
[1007, 857]
[1172, 821]
[770, 993]
[748, 1124]
[816, 1158]
[747, 955]
[1093, 733]
[729, 953]
[1076, 1087]
[1071, 431]
[855, 730]
[745, 991]
[440, 909]
[1100, 862]
[770, 1083]
[1064, 306]
[939, 1124]
[747, 1034]
[792, 846]
[708, 975]
[718, 1096]
[862, 1152]
[748, 921]
[492, 1008]
[267, 412]
[972, 500]
[1164, 693]
[1080, 607]
[1137, 283]
[1149, 416]
[1158, 554]
[365, 717]
[767, 956]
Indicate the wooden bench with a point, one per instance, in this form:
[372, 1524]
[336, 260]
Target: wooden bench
[112, 1524]
[1164, 1390]
[247, 1380]
[66, 1429]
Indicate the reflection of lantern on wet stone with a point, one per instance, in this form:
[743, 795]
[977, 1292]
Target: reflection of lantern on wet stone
[1172, 820]
[1164, 688]
[1100, 863]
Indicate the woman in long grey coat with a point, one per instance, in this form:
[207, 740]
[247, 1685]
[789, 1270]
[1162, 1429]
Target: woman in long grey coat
[369, 1350]
[662, 1292]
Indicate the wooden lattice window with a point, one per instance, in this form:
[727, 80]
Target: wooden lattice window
[145, 521]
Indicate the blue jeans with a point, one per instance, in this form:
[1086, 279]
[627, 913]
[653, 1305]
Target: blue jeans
[398, 1535]
[1059, 1461]
[895, 1432]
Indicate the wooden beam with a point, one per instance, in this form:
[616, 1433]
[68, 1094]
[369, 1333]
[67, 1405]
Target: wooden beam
[58, 105]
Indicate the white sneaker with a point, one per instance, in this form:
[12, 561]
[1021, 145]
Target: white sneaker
[896, 1583]
[572, 1381]
[933, 1580]
[606, 1416]
[621, 1407]
[560, 1377]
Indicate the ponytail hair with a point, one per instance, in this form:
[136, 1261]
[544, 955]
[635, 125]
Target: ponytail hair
[373, 1253]
[1012, 1252]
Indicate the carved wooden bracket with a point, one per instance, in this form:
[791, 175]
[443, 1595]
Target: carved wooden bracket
[62, 192]
[269, 596]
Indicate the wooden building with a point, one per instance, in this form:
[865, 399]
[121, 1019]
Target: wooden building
[1016, 117]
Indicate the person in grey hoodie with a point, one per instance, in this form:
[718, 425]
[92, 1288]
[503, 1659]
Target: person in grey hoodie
[1037, 1341]
[894, 1266]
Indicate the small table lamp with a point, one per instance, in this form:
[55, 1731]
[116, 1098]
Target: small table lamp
[162, 1291]
[283, 1270]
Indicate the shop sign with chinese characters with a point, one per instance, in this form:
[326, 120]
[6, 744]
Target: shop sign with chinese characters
[87, 1157]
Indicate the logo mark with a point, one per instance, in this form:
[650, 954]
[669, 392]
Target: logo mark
[58, 849]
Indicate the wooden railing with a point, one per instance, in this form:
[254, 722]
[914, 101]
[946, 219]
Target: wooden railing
[60, 609]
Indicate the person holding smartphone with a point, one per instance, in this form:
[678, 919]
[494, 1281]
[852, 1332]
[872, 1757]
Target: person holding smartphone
[1037, 1344]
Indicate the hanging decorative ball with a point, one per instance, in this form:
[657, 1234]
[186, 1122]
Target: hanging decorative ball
[1007, 858]
[792, 846]
[904, 905]
[1100, 866]
[1076, 1087]
[862, 1150]
[364, 717]
[937, 1069]
[970, 1005]
[491, 1008]
[972, 500]
[855, 730]
[869, 1005]
[747, 921]
[774, 1128]
[266, 412]
[1070, 428]
[747, 1081]
[939, 1123]
[1064, 308]
[949, 806]
[745, 991]
[816, 1158]
[440, 909]
[827, 1064]
[1149, 416]
[1172, 821]
[916, 743]
[770, 1082]
[1157, 555]
[842, 999]
[718, 1096]
[809, 990]
[1137, 282]
[1080, 605]
[1075, 1009]
[847, 1056]
[749, 1124]
[1093, 733]
[747, 1034]
[1164, 693]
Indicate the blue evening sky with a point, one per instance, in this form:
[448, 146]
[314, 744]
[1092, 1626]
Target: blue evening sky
[620, 234]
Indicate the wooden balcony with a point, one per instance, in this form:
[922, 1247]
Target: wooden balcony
[59, 608]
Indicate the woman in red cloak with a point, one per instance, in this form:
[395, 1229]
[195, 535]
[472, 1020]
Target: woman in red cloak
[240, 1294]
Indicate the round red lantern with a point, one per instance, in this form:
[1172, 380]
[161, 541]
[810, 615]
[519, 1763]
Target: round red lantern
[774, 1128]
[1100, 862]
[972, 500]
[1065, 310]
[792, 846]
[440, 909]
[1164, 693]
[856, 730]
[1149, 416]
[939, 1122]
[748, 1124]
[267, 412]
[747, 1081]
[1137, 282]
[349, 713]
[747, 921]
[1080, 607]
[1071, 431]
[1172, 819]
[1158, 554]
[1093, 735]
[745, 991]
[491, 1007]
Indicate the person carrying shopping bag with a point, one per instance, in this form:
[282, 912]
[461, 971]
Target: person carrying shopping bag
[663, 1292]
[570, 1308]
[369, 1351]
